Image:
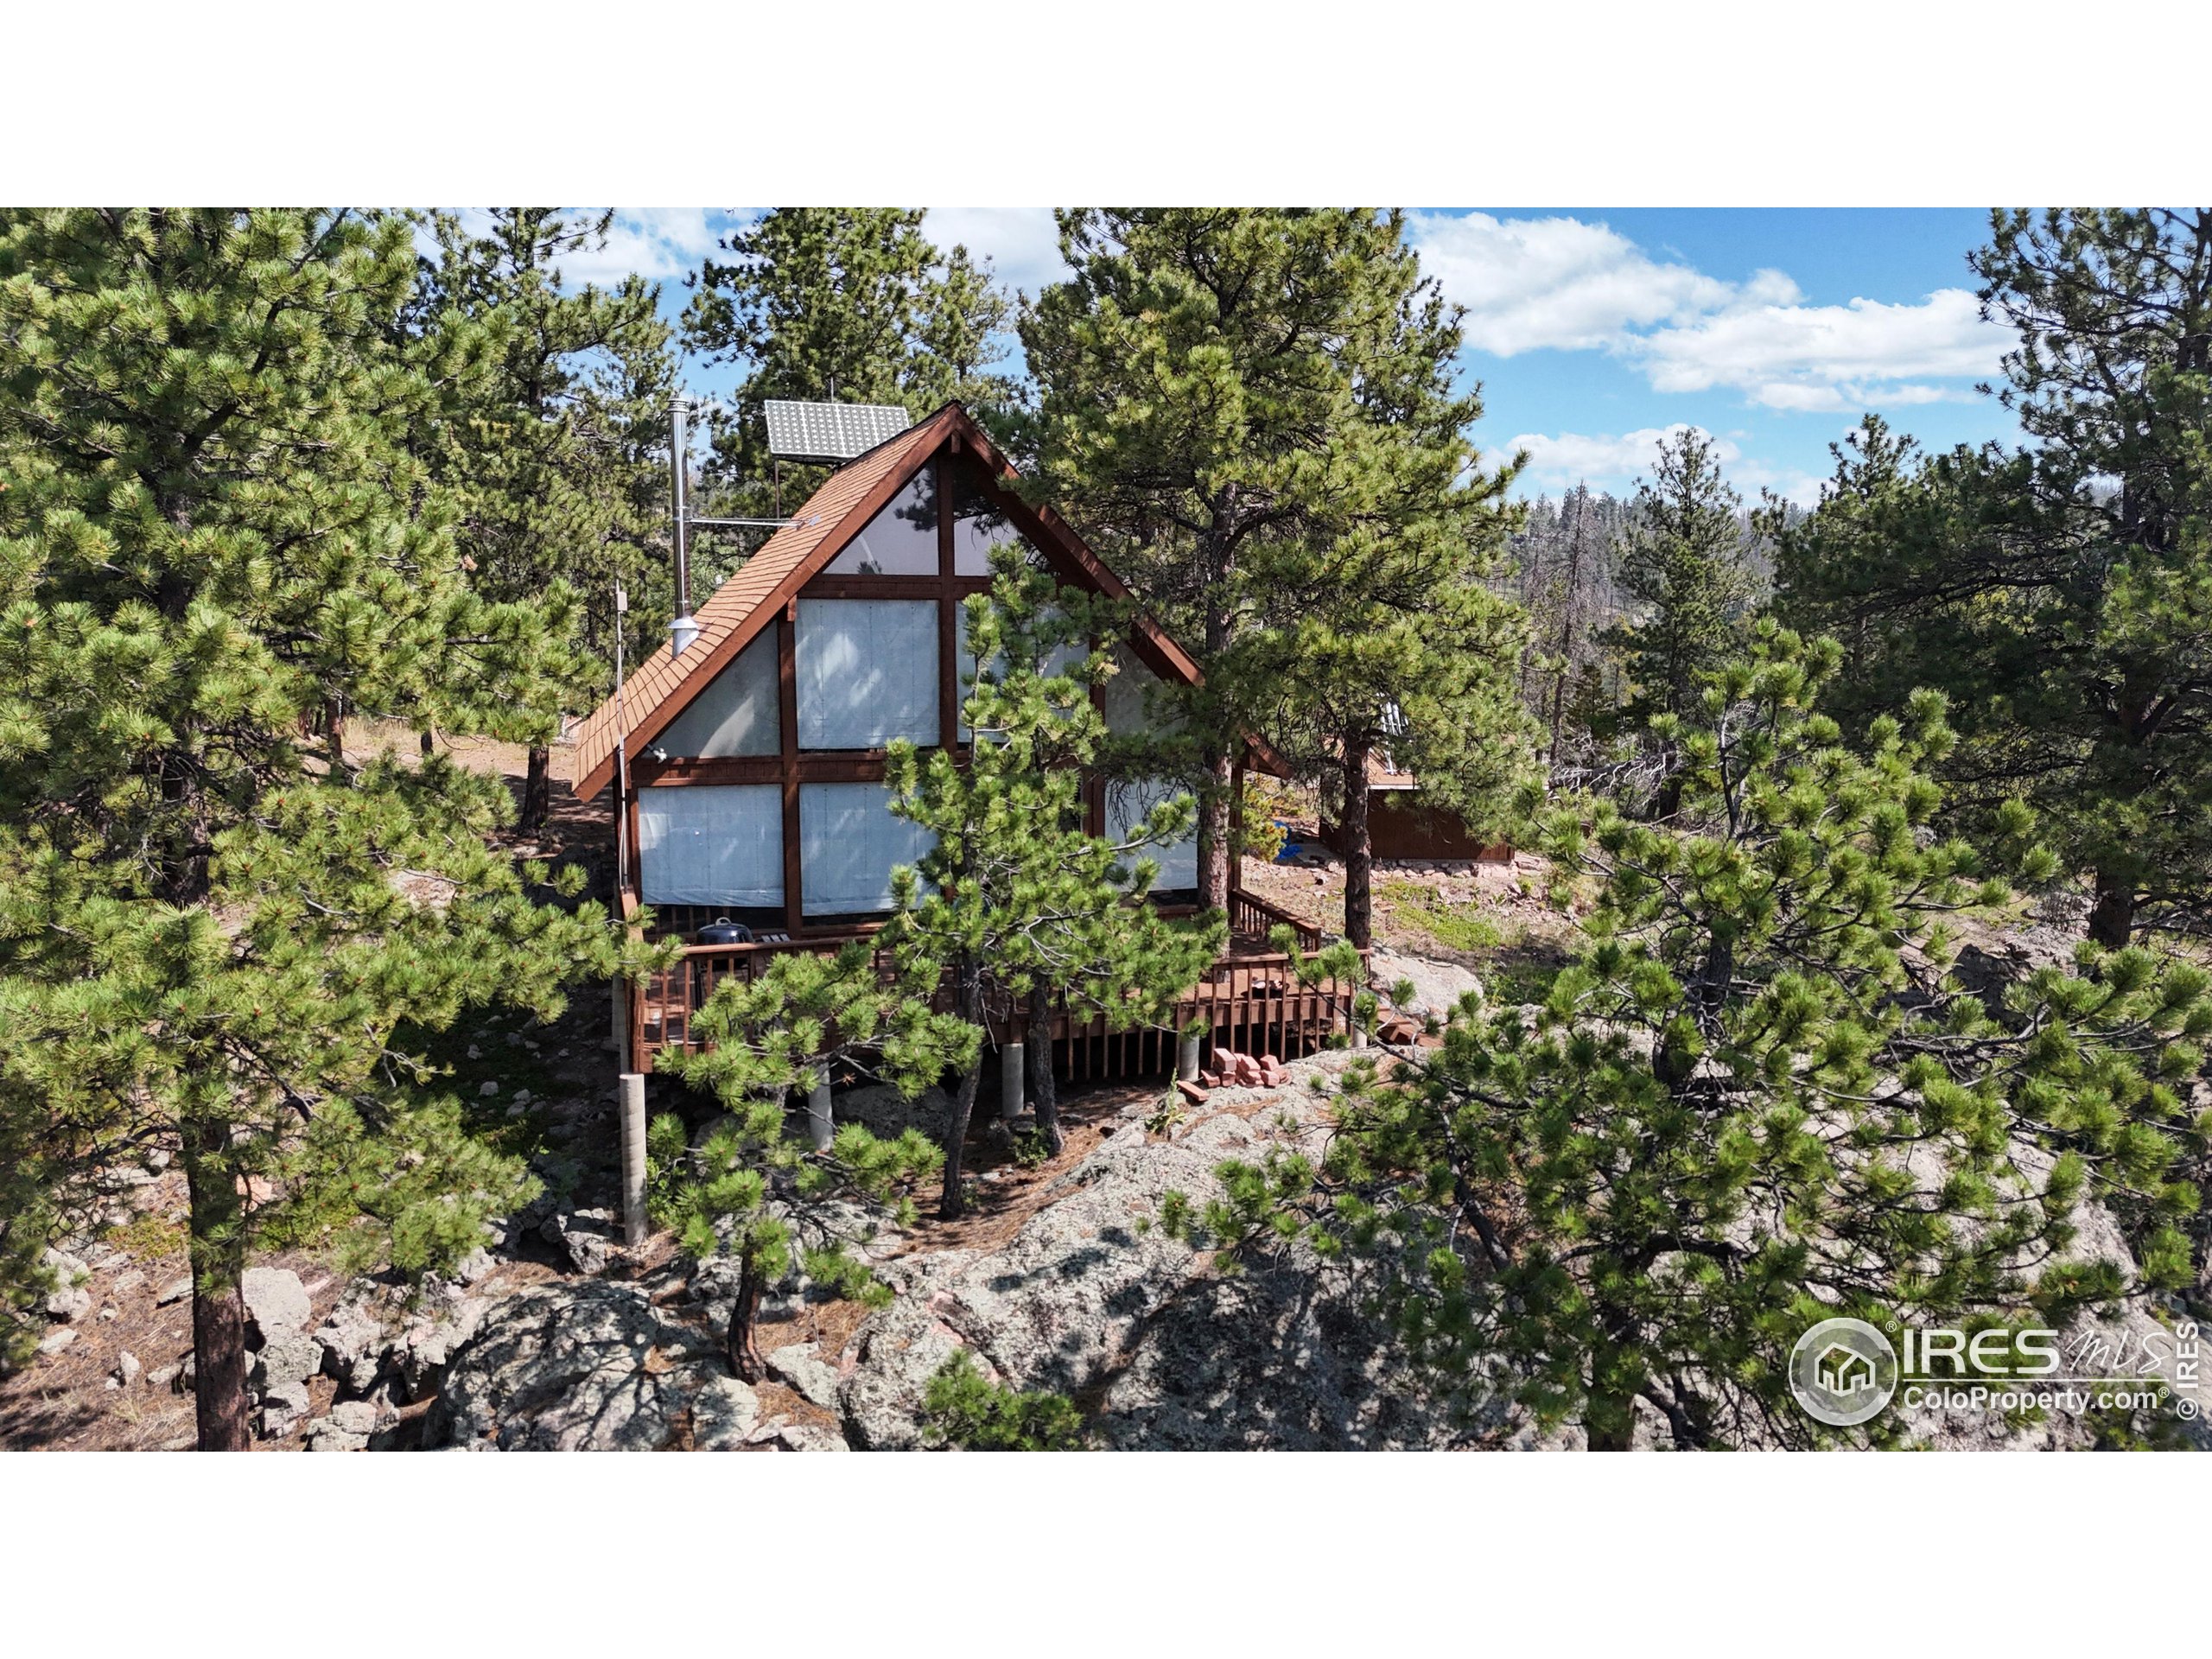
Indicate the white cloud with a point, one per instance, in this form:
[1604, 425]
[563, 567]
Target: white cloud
[1608, 462]
[1021, 242]
[1570, 458]
[657, 242]
[663, 243]
[1828, 356]
[1790, 483]
[1571, 284]
[1529, 283]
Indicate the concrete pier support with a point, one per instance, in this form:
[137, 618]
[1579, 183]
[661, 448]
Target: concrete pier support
[820, 1129]
[1011, 1072]
[634, 1224]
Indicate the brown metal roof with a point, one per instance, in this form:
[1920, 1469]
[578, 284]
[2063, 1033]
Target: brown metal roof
[1381, 774]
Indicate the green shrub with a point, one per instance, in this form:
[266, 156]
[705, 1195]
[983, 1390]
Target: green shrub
[962, 1408]
[1455, 927]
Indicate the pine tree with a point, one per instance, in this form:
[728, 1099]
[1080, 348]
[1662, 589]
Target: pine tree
[1581, 557]
[962, 1408]
[1684, 566]
[2062, 594]
[963, 320]
[1888, 518]
[1757, 1100]
[555, 459]
[1200, 380]
[1016, 904]
[754, 1189]
[1382, 631]
[216, 926]
[1565, 566]
[854, 303]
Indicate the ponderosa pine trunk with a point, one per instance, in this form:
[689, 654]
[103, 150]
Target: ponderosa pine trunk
[968, 998]
[334, 732]
[1358, 848]
[218, 1360]
[1038, 1049]
[2112, 918]
[537, 792]
[1612, 1440]
[1214, 832]
[955, 1203]
[1218, 557]
[740, 1343]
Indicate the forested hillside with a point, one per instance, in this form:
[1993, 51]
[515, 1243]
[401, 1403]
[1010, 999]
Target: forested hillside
[1875, 830]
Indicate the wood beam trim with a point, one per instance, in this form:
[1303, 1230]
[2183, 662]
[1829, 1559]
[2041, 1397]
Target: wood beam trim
[948, 622]
[710, 769]
[842, 586]
[787, 711]
[813, 766]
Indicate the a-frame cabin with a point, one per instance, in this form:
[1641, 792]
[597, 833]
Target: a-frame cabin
[748, 770]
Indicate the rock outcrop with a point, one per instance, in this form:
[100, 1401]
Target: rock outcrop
[592, 1366]
[283, 1356]
[1438, 986]
[1090, 1299]
[1086, 1297]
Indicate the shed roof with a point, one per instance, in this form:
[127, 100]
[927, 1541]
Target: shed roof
[1382, 773]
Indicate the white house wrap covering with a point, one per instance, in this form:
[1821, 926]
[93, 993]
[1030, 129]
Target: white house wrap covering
[848, 841]
[1127, 804]
[866, 672]
[1064, 659]
[1132, 703]
[711, 844]
[739, 713]
[899, 541]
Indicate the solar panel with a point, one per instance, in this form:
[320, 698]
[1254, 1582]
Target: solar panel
[829, 431]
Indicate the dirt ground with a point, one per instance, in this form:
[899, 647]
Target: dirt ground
[1495, 919]
[65, 1401]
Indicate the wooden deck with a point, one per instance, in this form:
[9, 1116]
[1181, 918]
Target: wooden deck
[1249, 1001]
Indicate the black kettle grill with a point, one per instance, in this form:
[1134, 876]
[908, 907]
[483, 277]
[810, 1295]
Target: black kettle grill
[722, 930]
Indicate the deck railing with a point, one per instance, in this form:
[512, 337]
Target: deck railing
[1255, 918]
[662, 1008]
[1252, 1002]
[1251, 999]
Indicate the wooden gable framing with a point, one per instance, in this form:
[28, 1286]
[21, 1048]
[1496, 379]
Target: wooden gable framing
[795, 565]
[795, 559]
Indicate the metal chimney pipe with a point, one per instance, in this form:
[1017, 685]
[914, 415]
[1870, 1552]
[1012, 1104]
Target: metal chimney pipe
[683, 630]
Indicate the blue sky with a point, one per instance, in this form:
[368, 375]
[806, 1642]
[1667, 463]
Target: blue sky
[1594, 332]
